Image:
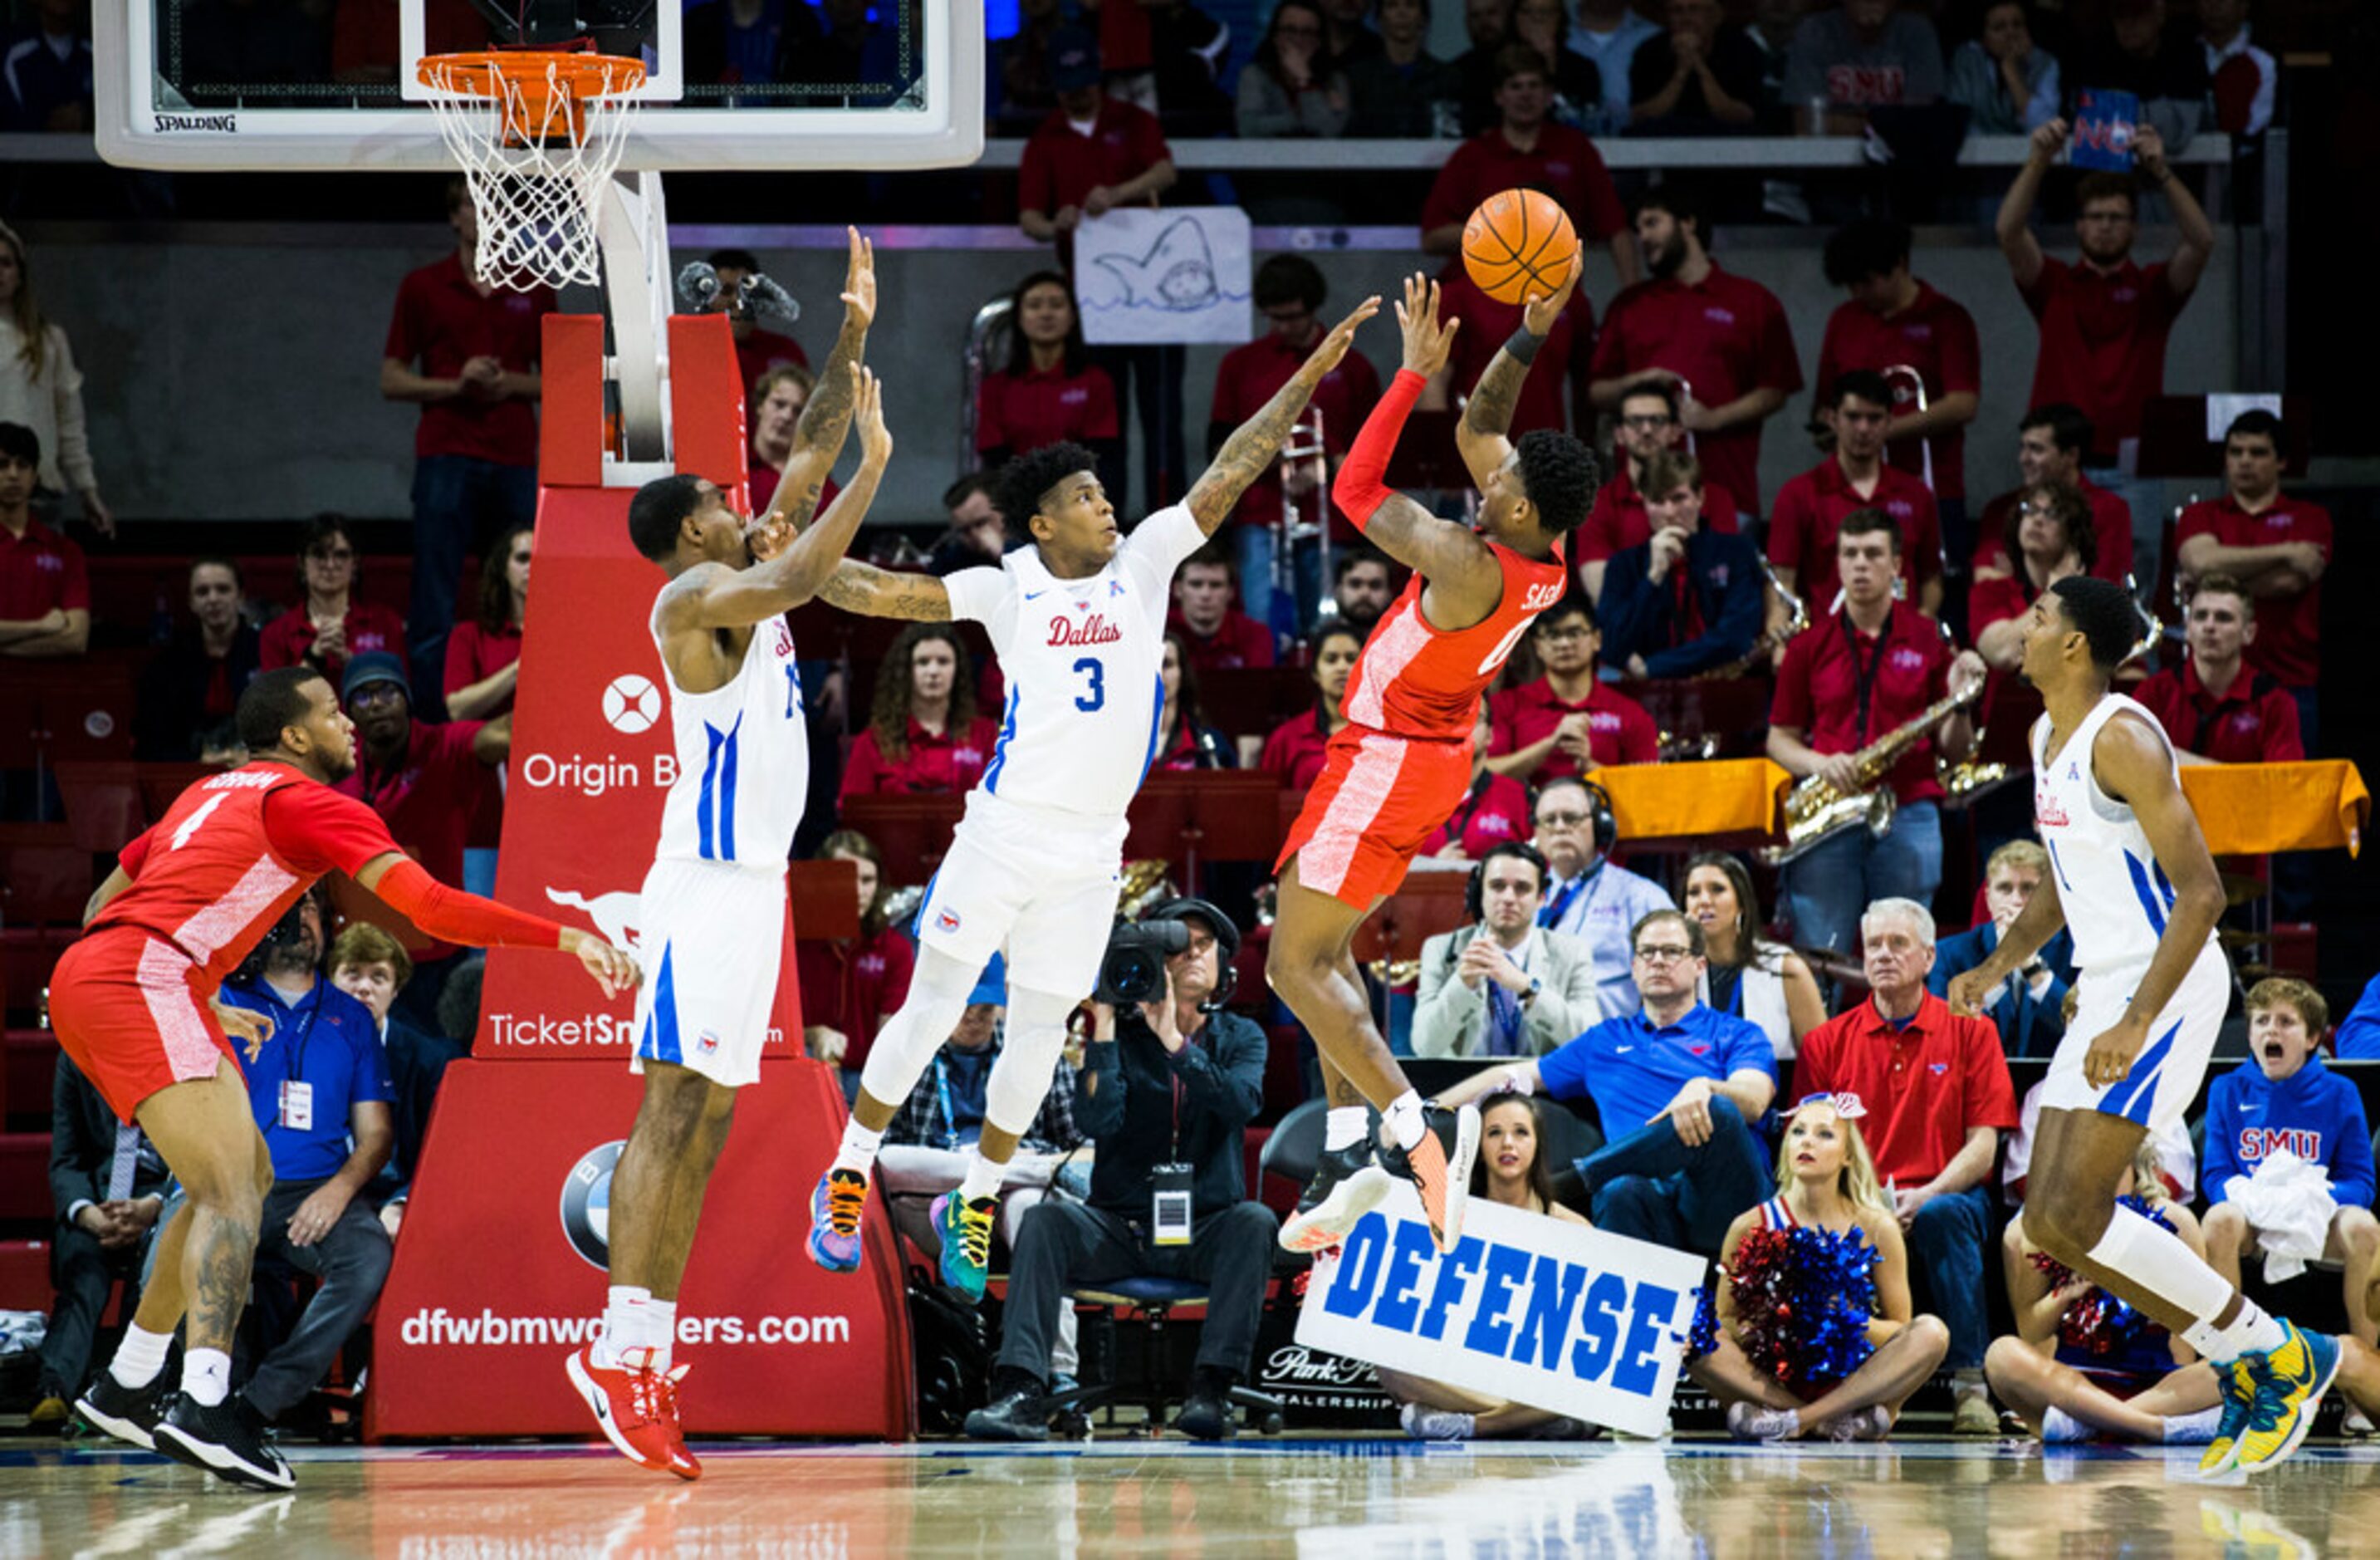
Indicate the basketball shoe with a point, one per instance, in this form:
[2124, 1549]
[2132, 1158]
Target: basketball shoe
[965, 1230]
[2290, 1380]
[128, 1413]
[636, 1407]
[1439, 1167]
[1346, 1185]
[835, 1206]
[226, 1439]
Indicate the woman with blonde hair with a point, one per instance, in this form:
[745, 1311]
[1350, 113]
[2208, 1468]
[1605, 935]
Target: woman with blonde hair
[1812, 1332]
[41, 389]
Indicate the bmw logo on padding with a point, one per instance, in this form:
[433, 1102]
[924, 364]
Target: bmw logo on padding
[586, 1203]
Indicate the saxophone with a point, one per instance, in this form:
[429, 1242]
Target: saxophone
[1798, 619]
[1815, 811]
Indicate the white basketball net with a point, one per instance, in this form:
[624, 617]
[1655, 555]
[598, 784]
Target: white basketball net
[536, 199]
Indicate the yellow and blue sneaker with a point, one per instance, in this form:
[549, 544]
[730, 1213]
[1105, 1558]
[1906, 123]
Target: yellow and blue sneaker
[2290, 1380]
[2238, 1384]
[966, 1230]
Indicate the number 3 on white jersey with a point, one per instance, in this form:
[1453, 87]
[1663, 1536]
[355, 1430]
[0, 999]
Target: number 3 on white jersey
[191, 824]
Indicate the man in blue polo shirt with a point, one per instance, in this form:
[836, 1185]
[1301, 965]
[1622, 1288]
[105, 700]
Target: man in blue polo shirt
[320, 1088]
[1677, 1086]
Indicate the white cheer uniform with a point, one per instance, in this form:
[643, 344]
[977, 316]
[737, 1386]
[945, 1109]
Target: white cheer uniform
[1033, 867]
[2116, 898]
[711, 920]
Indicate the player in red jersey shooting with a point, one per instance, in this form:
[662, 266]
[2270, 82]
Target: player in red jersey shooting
[1397, 770]
[133, 1003]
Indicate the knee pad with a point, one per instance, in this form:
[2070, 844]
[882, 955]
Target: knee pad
[1025, 1071]
[937, 995]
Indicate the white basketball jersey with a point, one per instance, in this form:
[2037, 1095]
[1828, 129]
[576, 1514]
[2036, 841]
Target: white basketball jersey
[2116, 897]
[1082, 659]
[743, 761]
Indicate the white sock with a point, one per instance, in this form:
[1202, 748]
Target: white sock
[1406, 1122]
[620, 1322]
[2157, 1262]
[858, 1152]
[657, 1328]
[1344, 1126]
[2192, 1429]
[139, 1357]
[982, 1177]
[2250, 1332]
[2059, 1427]
[206, 1376]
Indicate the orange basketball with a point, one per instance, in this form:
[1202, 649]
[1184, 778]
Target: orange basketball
[1517, 244]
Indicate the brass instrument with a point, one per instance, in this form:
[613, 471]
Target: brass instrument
[1671, 748]
[1797, 619]
[1143, 888]
[1816, 813]
[1303, 451]
[1924, 446]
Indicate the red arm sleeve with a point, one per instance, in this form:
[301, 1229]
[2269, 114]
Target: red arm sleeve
[1360, 488]
[451, 916]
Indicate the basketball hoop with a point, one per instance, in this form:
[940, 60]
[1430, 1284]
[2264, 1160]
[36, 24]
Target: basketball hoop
[538, 132]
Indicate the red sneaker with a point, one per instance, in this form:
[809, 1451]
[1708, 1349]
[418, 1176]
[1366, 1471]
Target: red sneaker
[636, 1407]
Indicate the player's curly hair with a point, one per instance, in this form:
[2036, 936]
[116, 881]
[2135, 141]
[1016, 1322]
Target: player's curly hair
[1560, 474]
[2102, 611]
[1025, 481]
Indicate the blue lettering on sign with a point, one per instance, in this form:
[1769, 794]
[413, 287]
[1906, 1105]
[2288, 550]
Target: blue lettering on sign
[1489, 1333]
[1359, 1267]
[1554, 1290]
[1452, 1271]
[1606, 1299]
[1638, 1370]
[1400, 1293]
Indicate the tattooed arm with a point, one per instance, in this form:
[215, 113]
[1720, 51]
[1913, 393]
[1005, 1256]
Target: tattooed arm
[826, 419]
[875, 593]
[1486, 419]
[1255, 444]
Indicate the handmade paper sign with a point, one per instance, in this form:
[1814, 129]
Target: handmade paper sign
[1147, 278]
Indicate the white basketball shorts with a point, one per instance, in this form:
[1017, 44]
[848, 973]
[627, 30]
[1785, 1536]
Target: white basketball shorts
[712, 936]
[2164, 1078]
[1038, 885]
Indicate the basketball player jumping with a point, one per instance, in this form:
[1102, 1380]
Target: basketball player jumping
[713, 904]
[1397, 770]
[1077, 620]
[133, 1004]
[2132, 879]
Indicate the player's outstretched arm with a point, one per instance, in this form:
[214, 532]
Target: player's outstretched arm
[1255, 444]
[451, 916]
[826, 419]
[881, 592]
[1483, 434]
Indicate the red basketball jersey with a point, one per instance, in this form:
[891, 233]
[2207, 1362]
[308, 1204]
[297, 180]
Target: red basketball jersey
[1416, 680]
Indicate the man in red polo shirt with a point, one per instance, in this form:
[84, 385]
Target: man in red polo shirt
[1526, 150]
[1289, 293]
[2214, 708]
[2276, 545]
[44, 588]
[1851, 678]
[1810, 508]
[2050, 444]
[1217, 636]
[1894, 320]
[1091, 155]
[2104, 319]
[1720, 338]
[758, 352]
[423, 779]
[1567, 722]
[465, 350]
[1936, 1090]
[1647, 424]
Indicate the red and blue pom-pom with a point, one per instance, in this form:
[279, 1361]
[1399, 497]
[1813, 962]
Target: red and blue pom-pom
[1803, 1300]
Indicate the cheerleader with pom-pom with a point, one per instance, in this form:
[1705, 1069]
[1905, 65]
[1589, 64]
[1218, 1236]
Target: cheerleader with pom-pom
[1813, 1334]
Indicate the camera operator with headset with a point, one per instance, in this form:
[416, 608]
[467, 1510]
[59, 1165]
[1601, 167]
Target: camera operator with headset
[1168, 1084]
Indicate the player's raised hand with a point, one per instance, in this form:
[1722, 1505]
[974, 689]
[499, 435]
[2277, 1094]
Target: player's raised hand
[859, 281]
[1538, 315]
[1427, 343]
[867, 411]
[1333, 347]
[612, 968]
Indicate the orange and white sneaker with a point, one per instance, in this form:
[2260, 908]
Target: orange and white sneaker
[1440, 1168]
[636, 1408]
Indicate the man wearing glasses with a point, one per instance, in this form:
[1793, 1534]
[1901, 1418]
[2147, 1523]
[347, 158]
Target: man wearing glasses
[1646, 424]
[1677, 1087]
[1588, 898]
[1566, 723]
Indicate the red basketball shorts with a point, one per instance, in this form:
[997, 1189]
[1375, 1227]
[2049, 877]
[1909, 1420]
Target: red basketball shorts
[1376, 801]
[130, 1008]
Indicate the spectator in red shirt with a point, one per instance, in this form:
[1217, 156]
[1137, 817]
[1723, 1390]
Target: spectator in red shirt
[2048, 533]
[1526, 150]
[1802, 532]
[465, 349]
[1361, 586]
[420, 776]
[1495, 809]
[2050, 444]
[1217, 636]
[330, 626]
[924, 736]
[193, 684]
[851, 985]
[778, 397]
[1485, 325]
[757, 351]
[1049, 392]
[2276, 545]
[1647, 424]
[1939, 1096]
[1720, 338]
[1567, 723]
[1894, 320]
[483, 654]
[44, 588]
[1686, 600]
[2104, 320]
[1294, 748]
[1852, 677]
[2214, 708]
[1289, 293]
[1183, 739]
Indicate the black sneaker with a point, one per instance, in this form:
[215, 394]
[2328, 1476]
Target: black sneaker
[128, 1413]
[1207, 1412]
[1346, 1186]
[228, 1440]
[1022, 1415]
